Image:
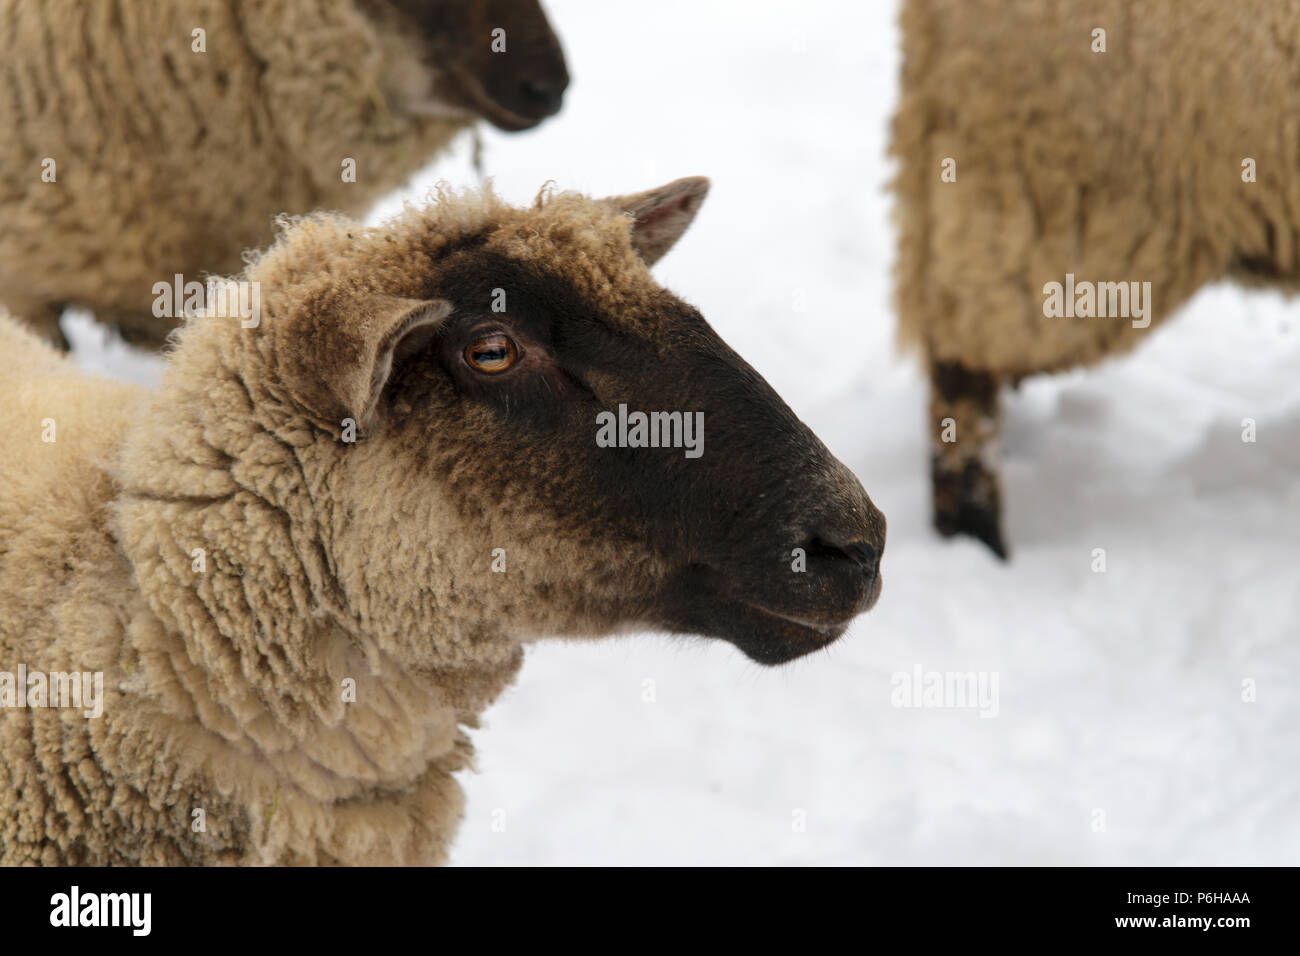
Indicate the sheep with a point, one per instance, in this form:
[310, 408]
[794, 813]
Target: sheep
[306, 562]
[1101, 150]
[145, 140]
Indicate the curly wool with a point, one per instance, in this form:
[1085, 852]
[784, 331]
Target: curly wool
[223, 688]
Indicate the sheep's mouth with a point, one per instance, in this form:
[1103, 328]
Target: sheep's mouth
[763, 633]
[766, 637]
[460, 86]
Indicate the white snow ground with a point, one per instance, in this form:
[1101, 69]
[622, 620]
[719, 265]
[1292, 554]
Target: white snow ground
[1120, 692]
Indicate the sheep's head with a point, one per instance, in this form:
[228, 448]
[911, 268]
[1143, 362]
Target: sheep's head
[502, 484]
[495, 59]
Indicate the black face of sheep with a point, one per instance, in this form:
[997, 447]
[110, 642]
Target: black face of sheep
[766, 540]
[498, 59]
[639, 470]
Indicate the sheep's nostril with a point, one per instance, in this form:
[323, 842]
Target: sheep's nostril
[542, 95]
[862, 554]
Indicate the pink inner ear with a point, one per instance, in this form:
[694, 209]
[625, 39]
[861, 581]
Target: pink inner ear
[664, 210]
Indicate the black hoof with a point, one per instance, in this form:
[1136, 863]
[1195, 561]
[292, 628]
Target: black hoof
[978, 523]
[968, 502]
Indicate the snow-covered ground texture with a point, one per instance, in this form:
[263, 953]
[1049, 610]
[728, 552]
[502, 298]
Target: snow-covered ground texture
[1121, 734]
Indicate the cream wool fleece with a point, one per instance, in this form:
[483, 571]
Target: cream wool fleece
[166, 160]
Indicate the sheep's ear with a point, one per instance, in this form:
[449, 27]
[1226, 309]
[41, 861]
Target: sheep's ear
[386, 328]
[660, 216]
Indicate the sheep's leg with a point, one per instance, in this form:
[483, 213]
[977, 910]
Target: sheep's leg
[44, 321]
[965, 419]
[140, 329]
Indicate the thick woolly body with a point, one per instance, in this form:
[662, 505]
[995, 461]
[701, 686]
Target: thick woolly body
[1117, 166]
[285, 560]
[223, 688]
[166, 160]
[322, 561]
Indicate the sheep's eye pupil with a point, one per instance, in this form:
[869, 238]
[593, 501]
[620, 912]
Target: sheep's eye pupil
[492, 353]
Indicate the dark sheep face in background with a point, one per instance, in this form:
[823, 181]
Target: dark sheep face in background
[495, 59]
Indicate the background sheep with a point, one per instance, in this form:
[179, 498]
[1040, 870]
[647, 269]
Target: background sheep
[1110, 141]
[245, 559]
[139, 147]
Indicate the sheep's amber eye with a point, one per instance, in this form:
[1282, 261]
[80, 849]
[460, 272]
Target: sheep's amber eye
[492, 353]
